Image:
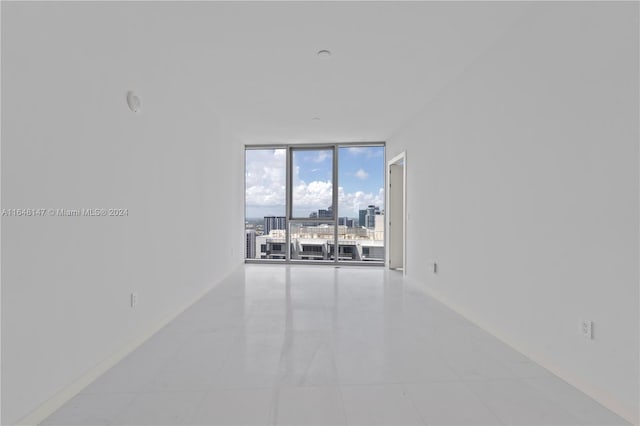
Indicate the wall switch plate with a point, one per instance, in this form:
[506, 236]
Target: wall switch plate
[586, 329]
[134, 299]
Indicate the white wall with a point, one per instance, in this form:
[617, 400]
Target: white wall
[523, 186]
[69, 141]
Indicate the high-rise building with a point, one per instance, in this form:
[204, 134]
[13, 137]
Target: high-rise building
[250, 244]
[362, 214]
[326, 213]
[274, 222]
[345, 221]
[370, 217]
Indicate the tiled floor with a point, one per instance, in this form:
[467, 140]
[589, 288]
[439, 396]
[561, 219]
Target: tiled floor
[306, 345]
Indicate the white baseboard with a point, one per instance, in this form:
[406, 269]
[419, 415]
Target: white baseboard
[73, 389]
[625, 411]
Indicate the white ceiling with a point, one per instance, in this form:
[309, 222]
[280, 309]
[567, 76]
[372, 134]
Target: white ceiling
[388, 60]
[256, 62]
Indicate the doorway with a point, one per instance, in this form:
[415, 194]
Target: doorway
[397, 206]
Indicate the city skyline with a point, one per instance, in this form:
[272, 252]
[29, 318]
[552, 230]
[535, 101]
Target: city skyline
[279, 222]
[360, 181]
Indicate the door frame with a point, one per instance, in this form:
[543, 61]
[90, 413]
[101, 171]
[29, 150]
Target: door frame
[400, 158]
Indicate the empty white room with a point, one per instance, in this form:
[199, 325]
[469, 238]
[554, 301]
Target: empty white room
[320, 213]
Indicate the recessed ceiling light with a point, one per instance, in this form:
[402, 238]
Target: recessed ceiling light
[324, 53]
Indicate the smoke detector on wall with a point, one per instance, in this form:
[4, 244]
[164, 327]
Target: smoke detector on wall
[134, 102]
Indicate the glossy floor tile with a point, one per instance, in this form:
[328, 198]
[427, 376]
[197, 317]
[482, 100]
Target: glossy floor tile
[450, 403]
[379, 405]
[235, 407]
[316, 345]
[317, 405]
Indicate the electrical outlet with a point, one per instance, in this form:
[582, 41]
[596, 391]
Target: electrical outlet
[134, 299]
[586, 329]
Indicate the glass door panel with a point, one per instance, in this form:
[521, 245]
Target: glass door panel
[361, 203]
[265, 204]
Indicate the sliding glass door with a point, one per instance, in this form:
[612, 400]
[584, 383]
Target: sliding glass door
[315, 204]
[361, 223]
[312, 193]
[266, 204]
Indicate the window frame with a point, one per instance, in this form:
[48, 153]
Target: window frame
[290, 219]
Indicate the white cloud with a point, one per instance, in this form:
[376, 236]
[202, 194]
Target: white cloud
[351, 202]
[356, 150]
[369, 152]
[265, 178]
[310, 197]
[266, 185]
[361, 174]
[322, 155]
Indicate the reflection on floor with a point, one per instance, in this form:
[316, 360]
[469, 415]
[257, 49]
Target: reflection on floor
[326, 346]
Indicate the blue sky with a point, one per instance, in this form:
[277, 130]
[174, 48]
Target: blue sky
[361, 169]
[361, 180]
